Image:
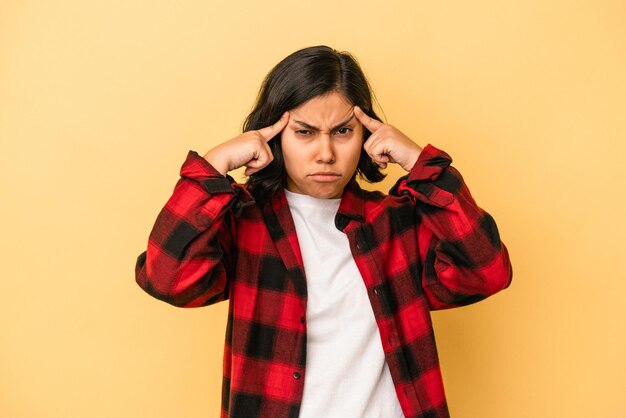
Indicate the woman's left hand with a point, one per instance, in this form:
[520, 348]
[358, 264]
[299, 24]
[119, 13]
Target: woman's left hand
[387, 144]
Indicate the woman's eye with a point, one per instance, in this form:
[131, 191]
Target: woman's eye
[344, 131]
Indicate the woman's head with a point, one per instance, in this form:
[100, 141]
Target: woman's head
[304, 75]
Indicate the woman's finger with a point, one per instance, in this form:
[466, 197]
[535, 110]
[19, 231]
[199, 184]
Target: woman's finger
[262, 159]
[371, 124]
[271, 131]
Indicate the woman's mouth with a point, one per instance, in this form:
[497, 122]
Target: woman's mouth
[325, 176]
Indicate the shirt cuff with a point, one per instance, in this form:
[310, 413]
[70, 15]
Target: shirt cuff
[429, 165]
[197, 168]
[425, 179]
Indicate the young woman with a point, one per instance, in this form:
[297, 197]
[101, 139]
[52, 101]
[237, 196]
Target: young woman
[329, 286]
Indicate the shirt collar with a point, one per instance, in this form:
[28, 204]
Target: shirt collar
[352, 207]
[352, 203]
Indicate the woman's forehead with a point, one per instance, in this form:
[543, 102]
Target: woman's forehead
[324, 112]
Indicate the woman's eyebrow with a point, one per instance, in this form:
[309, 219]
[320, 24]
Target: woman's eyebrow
[315, 128]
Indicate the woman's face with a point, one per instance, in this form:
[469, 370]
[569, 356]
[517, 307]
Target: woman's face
[321, 146]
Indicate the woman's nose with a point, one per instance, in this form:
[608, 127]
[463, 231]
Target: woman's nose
[326, 152]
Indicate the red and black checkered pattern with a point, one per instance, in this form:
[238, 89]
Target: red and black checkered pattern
[425, 246]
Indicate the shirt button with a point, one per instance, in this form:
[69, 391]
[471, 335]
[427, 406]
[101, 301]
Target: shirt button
[302, 320]
[375, 291]
[296, 375]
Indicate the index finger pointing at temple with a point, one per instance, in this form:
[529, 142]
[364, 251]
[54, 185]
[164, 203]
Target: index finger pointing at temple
[370, 123]
[271, 131]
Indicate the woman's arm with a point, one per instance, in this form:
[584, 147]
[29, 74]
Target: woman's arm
[190, 247]
[463, 258]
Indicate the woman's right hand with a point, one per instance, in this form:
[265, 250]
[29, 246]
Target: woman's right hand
[249, 149]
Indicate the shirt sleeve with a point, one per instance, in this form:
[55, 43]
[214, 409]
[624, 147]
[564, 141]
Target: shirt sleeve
[190, 247]
[462, 256]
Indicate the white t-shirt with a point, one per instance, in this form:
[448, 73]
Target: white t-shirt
[346, 371]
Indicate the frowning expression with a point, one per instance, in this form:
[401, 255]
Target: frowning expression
[321, 146]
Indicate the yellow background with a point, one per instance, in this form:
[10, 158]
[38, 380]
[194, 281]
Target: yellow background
[101, 100]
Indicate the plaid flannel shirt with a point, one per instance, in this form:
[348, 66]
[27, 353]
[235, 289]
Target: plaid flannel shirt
[425, 246]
